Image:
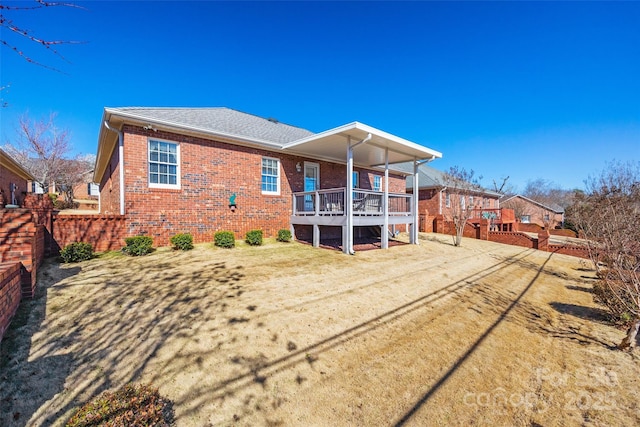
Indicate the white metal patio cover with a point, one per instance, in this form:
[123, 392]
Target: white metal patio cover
[361, 145]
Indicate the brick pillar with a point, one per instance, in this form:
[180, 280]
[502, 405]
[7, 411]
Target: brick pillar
[42, 208]
[484, 229]
[543, 240]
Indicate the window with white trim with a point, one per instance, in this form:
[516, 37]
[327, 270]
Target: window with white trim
[471, 206]
[377, 183]
[447, 199]
[164, 164]
[525, 219]
[270, 175]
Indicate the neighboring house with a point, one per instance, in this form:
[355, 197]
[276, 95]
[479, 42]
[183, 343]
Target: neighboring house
[202, 170]
[14, 180]
[436, 199]
[528, 211]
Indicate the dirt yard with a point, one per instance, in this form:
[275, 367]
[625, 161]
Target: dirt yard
[286, 334]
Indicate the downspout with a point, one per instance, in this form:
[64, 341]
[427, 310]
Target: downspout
[350, 148]
[121, 160]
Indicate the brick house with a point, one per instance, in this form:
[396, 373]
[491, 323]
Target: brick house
[528, 211]
[435, 199]
[14, 179]
[202, 170]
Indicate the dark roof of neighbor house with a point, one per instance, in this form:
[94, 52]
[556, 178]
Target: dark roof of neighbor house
[429, 177]
[549, 206]
[220, 120]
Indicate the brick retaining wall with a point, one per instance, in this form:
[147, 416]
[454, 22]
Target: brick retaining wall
[9, 293]
[513, 238]
[104, 232]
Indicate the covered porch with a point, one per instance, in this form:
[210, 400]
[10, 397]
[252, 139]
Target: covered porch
[347, 207]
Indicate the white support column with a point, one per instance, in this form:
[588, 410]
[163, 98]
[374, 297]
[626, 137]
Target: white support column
[347, 247]
[414, 205]
[316, 236]
[384, 235]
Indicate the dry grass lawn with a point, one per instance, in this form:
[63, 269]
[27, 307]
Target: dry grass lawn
[285, 334]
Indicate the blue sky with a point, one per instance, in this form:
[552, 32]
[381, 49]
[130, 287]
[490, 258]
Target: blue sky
[521, 89]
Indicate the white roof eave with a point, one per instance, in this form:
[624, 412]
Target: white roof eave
[424, 152]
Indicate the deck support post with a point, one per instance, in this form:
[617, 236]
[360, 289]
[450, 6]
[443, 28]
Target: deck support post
[347, 245]
[316, 236]
[384, 233]
[413, 236]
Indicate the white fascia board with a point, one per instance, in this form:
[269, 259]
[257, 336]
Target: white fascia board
[140, 118]
[382, 134]
[429, 153]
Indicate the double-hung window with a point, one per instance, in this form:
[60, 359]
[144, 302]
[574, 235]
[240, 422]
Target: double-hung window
[270, 176]
[377, 183]
[164, 164]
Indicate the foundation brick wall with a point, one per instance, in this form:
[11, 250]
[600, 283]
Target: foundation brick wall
[211, 172]
[9, 293]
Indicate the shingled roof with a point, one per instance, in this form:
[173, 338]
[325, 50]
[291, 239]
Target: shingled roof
[429, 177]
[219, 120]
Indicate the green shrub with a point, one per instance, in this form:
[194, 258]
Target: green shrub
[138, 245]
[284, 235]
[224, 239]
[182, 241]
[132, 405]
[254, 237]
[75, 252]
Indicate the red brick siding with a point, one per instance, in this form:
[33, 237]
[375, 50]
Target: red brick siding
[104, 232]
[110, 187]
[210, 172]
[429, 202]
[6, 178]
[9, 293]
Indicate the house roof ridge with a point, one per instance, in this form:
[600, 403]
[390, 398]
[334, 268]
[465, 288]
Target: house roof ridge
[165, 108]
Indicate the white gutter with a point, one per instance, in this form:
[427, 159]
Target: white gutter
[120, 160]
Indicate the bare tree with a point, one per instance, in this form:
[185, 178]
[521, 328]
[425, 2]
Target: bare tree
[608, 214]
[74, 173]
[460, 185]
[548, 193]
[504, 187]
[21, 32]
[41, 148]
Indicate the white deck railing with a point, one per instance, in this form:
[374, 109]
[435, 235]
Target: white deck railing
[365, 202]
